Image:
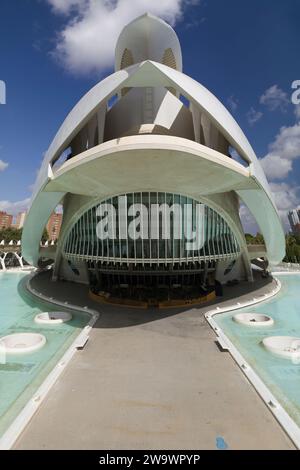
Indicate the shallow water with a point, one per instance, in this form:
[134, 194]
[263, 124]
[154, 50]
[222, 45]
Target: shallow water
[21, 375]
[281, 376]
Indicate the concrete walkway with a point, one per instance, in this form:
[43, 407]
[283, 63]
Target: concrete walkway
[151, 380]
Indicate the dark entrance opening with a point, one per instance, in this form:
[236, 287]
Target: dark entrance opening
[153, 283]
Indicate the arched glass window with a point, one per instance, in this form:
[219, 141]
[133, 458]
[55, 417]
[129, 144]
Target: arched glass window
[150, 227]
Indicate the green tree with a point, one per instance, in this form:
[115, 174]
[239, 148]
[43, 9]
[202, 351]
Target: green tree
[259, 239]
[10, 233]
[292, 249]
[249, 238]
[45, 235]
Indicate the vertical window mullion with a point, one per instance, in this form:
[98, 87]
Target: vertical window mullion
[165, 222]
[134, 241]
[213, 232]
[127, 243]
[113, 231]
[142, 227]
[158, 228]
[149, 231]
[173, 232]
[208, 234]
[224, 236]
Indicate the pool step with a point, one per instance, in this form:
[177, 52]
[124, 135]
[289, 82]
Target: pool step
[222, 343]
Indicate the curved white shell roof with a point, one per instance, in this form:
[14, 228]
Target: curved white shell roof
[147, 38]
[153, 74]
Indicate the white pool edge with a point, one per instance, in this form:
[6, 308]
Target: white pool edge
[17, 270]
[20, 422]
[286, 422]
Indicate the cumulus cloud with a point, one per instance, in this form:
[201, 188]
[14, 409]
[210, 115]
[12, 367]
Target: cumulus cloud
[278, 163]
[275, 98]
[282, 151]
[286, 196]
[14, 207]
[276, 167]
[253, 116]
[87, 40]
[287, 142]
[3, 165]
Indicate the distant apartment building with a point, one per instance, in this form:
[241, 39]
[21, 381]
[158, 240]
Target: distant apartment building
[294, 220]
[54, 225]
[5, 220]
[20, 219]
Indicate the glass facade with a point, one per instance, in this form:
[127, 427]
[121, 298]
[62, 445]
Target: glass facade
[150, 227]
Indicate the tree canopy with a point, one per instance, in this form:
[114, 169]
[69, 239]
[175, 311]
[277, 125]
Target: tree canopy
[15, 234]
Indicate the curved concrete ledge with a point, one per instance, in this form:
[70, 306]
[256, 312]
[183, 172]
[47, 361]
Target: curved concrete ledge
[284, 273]
[248, 303]
[14, 430]
[287, 423]
[27, 269]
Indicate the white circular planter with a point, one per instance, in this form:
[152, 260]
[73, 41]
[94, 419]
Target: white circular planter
[52, 318]
[253, 319]
[21, 343]
[284, 346]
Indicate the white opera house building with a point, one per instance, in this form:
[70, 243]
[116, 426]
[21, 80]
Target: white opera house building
[151, 170]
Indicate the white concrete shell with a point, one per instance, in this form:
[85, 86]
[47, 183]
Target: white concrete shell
[147, 38]
[204, 172]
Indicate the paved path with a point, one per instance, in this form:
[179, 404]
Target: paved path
[151, 380]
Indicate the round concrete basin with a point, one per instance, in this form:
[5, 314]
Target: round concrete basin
[21, 343]
[284, 346]
[52, 318]
[253, 319]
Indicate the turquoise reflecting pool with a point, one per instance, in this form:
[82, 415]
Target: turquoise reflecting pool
[281, 376]
[21, 375]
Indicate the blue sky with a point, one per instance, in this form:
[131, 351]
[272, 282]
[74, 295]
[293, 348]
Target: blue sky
[246, 53]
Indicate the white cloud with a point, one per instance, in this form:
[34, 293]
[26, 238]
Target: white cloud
[287, 142]
[286, 196]
[282, 151]
[14, 207]
[87, 41]
[3, 165]
[253, 116]
[276, 167]
[274, 97]
[233, 102]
